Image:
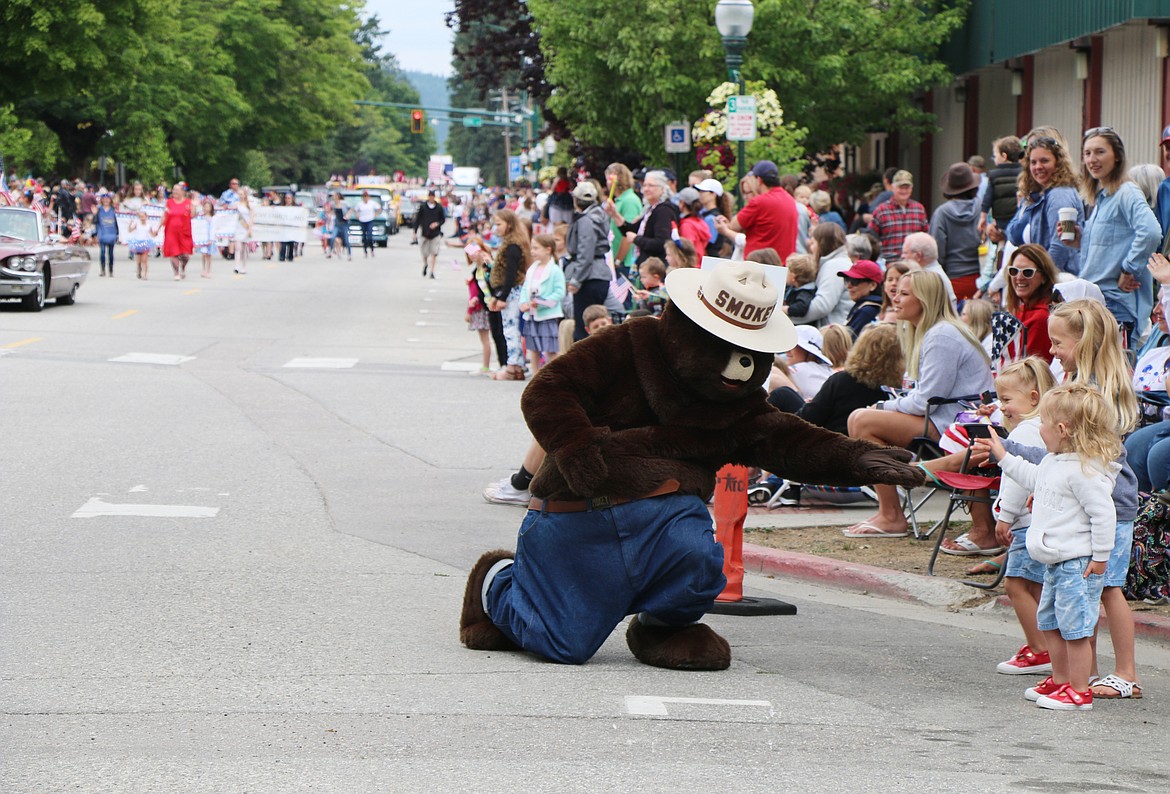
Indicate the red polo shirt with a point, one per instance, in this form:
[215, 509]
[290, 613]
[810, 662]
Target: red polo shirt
[769, 221]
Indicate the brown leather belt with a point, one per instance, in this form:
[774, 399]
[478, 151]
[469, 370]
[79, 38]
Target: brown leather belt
[599, 502]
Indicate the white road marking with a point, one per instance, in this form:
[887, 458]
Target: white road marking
[164, 359]
[137, 489]
[413, 339]
[652, 706]
[322, 363]
[424, 311]
[95, 508]
[459, 366]
[425, 324]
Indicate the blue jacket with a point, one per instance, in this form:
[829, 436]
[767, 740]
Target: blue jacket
[550, 289]
[1042, 216]
[106, 221]
[1162, 207]
[1120, 234]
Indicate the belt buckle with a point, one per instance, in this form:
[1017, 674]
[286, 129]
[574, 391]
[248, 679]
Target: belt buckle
[600, 503]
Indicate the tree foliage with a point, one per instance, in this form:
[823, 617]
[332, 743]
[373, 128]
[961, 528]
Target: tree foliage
[839, 67]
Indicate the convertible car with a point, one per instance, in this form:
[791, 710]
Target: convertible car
[35, 268]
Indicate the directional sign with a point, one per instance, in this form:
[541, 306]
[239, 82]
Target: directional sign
[678, 137]
[472, 121]
[515, 169]
[741, 118]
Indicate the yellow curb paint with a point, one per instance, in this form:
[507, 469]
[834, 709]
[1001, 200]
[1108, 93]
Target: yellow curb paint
[124, 315]
[22, 342]
[190, 292]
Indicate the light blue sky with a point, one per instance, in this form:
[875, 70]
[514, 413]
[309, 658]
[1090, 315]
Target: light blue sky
[419, 37]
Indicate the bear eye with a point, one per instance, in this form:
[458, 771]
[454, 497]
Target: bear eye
[745, 362]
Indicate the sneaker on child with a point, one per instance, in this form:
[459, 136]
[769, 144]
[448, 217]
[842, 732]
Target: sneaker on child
[1044, 688]
[1026, 662]
[1067, 699]
[503, 493]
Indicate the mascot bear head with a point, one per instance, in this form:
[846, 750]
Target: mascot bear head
[724, 325]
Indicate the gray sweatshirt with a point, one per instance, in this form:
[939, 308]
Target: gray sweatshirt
[587, 244]
[955, 227]
[949, 366]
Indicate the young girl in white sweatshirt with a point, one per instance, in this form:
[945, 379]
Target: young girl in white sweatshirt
[1072, 532]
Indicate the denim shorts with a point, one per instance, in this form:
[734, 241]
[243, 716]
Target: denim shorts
[1070, 601]
[1020, 563]
[1118, 567]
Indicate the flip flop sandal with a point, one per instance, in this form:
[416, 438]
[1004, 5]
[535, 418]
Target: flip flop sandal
[868, 530]
[967, 548]
[995, 565]
[1123, 688]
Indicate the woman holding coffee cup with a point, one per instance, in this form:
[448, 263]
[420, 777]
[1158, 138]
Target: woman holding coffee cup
[1047, 185]
[1120, 233]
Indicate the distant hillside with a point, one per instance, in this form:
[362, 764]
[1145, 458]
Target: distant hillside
[432, 90]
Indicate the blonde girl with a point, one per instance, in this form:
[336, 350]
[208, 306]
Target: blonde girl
[1086, 344]
[837, 342]
[1020, 387]
[1072, 532]
[141, 242]
[945, 361]
[977, 315]
[544, 292]
[207, 248]
[243, 230]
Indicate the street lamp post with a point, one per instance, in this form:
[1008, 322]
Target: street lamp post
[733, 19]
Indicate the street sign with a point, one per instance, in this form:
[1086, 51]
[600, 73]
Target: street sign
[741, 118]
[514, 168]
[472, 121]
[678, 137]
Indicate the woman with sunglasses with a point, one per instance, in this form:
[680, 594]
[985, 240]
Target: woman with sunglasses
[1031, 275]
[1047, 185]
[1119, 234]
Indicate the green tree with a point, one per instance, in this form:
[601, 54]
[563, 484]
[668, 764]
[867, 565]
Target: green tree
[839, 67]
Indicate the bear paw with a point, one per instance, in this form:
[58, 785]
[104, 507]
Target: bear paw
[476, 629]
[694, 647]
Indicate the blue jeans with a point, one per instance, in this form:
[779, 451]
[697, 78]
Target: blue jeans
[107, 256]
[367, 236]
[1148, 453]
[577, 575]
[1070, 601]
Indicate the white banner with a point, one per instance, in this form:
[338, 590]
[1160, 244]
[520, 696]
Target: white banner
[154, 213]
[223, 226]
[279, 224]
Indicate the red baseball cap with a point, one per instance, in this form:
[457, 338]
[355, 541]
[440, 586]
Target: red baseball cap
[864, 269]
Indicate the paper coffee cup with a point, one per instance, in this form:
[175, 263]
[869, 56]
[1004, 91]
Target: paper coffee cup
[1068, 222]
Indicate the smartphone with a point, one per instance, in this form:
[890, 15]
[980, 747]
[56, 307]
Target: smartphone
[982, 430]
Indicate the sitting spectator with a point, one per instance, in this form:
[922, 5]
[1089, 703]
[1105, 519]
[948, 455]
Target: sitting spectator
[921, 249]
[976, 314]
[1030, 278]
[876, 360]
[860, 246]
[863, 284]
[831, 303]
[894, 273]
[802, 285]
[652, 296]
[838, 343]
[944, 361]
[822, 204]
[1148, 449]
[807, 365]
[680, 253]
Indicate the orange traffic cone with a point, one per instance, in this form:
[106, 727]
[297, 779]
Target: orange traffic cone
[731, 503]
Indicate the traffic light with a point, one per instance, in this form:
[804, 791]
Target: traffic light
[416, 121]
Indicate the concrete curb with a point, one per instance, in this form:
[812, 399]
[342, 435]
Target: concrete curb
[916, 588]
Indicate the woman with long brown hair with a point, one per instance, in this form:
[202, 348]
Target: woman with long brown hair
[1048, 184]
[1030, 276]
[507, 277]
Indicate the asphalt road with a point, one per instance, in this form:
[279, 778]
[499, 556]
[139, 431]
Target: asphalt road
[243, 572]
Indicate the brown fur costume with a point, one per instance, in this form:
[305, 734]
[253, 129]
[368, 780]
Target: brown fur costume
[652, 400]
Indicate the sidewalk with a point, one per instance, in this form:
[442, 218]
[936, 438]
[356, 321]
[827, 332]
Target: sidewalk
[868, 579]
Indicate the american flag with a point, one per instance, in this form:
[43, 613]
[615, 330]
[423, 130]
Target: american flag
[74, 230]
[1009, 340]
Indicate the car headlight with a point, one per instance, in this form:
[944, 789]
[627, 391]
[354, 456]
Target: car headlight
[28, 263]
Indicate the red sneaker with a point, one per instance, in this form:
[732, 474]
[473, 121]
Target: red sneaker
[1067, 699]
[1025, 662]
[1045, 687]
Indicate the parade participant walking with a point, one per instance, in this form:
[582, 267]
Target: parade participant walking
[107, 233]
[206, 247]
[340, 238]
[288, 248]
[366, 210]
[899, 217]
[230, 200]
[141, 242]
[429, 218]
[176, 222]
[770, 219]
[243, 230]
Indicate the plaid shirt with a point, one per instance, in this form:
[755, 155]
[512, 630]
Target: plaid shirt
[892, 224]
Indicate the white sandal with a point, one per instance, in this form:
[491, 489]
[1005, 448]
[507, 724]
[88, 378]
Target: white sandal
[1124, 689]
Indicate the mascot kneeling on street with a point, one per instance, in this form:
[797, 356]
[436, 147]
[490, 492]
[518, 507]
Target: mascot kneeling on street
[636, 420]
